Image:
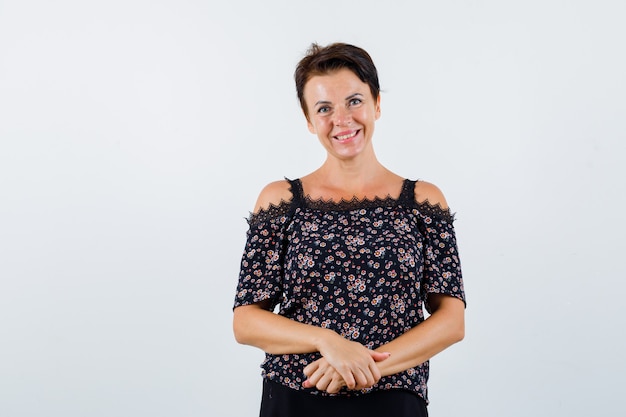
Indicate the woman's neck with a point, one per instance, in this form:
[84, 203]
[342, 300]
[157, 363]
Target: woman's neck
[362, 178]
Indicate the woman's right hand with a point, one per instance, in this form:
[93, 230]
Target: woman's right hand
[344, 362]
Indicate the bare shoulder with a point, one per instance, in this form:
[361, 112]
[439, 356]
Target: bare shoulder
[425, 191]
[273, 194]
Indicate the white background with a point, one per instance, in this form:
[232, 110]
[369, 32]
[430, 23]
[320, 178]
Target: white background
[135, 136]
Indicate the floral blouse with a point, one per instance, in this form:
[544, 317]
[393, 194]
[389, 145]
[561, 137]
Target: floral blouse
[363, 268]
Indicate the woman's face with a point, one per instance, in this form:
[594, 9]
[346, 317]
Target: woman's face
[341, 112]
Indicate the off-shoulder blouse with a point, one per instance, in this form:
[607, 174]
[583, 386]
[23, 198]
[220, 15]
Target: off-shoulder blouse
[363, 268]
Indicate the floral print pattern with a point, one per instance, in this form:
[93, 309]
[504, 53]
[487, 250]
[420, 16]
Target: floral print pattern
[363, 268]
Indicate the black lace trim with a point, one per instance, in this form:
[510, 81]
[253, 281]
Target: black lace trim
[272, 212]
[435, 210]
[425, 207]
[406, 198]
[349, 205]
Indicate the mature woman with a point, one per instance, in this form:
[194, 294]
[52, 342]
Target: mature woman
[352, 254]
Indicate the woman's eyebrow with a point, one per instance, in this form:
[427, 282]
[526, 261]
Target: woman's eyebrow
[354, 95]
[322, 102]
[347, 98]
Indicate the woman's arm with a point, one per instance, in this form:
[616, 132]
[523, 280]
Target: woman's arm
[443, 328]
[256, 326]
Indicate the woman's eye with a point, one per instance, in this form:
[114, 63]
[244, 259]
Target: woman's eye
[324, 109]
[355, 101]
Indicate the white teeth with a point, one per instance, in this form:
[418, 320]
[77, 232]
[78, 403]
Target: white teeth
[348, 136]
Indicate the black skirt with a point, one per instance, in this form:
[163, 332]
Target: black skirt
[281, 401]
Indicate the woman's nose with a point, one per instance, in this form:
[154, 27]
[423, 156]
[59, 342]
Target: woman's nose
[342, 117]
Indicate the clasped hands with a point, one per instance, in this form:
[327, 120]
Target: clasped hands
[344, 363]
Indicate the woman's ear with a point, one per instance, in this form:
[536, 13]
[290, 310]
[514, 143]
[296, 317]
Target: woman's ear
[378, 106]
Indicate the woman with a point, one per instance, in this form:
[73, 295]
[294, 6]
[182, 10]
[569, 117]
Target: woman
[352, 253]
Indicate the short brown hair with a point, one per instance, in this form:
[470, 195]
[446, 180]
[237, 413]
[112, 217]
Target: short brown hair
[321, 60]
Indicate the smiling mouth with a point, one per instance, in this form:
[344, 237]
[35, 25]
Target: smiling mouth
[347, 135]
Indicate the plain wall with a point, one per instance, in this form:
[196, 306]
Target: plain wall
[136, 135]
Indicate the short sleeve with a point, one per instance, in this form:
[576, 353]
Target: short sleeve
[442, 266]
[261, 273]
